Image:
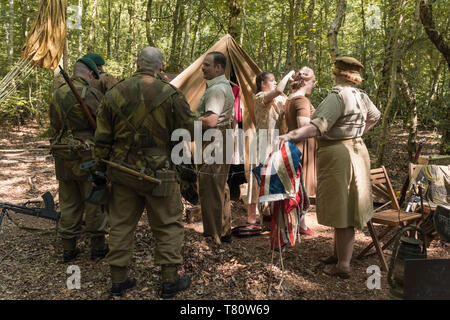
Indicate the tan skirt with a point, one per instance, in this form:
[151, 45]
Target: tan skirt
[344, 191]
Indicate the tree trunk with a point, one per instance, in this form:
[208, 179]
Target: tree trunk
[392, 93]
[233, 5]
[241, 38]
[117, 37]
[148, 23]
[280, 49]
[291, 35]
[262, 37]
[196, 25]
[10, 34]
[410, 98]
[426, 16]
[80, 31]
[334, 29]
[108, 39]
[91, 35]
[187, 34]
[173, 63]
[311, 32]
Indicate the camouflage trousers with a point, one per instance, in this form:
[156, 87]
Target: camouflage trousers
[214, 197]
[164, 216]
[72, 195]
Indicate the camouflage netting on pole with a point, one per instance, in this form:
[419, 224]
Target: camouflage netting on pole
[45, 42]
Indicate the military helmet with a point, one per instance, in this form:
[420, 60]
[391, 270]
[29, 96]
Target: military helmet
[96, 58]
[91, 65]
[348, 64]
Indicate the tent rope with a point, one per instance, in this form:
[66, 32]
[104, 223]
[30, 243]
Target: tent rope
[14, 78]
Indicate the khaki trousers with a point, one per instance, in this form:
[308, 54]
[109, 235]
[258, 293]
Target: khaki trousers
[215, 200]
[72, 195]
[165, 219]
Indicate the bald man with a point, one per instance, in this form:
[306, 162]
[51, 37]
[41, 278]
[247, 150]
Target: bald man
[135, 122]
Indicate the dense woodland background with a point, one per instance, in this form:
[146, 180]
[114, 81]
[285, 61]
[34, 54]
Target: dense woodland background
[404, 45]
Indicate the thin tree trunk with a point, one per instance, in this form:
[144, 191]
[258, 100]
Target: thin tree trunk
[262, 38]
[187, 33]
[10, 33]
[196, 25]
[291, 35]
[334, 28]
[148, 23]
[80, 31]
[426, 16]
[173, 64]
[233, 6]
[241, 38]
[117, 38]
[311, 33]
[108, 39]
[410, 98]
[280, 49]
[91, 35]
[392, 94]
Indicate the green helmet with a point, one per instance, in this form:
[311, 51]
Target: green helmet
[96, 58]
[91, 65]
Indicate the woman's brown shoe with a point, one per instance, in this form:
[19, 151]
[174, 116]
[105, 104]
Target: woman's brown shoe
[335, 272]
[329, 260]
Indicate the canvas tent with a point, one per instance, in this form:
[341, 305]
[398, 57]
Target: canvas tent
[240, 67]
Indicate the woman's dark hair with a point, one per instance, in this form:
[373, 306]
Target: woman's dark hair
[260, 78]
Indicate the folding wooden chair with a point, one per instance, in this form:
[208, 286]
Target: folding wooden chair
[388, 214]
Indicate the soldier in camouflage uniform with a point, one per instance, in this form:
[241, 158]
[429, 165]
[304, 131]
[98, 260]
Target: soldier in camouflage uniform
[71, 142]
[105, 80]
[134, 125]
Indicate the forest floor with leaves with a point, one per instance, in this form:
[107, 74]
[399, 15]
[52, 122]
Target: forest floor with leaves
[30, 259]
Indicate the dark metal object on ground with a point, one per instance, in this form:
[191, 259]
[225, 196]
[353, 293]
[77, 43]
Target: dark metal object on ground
[406, 247]
[48, 212]
[427, 279]
[441, 221]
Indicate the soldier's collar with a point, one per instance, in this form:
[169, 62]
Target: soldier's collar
[78, 78]
[147, 73]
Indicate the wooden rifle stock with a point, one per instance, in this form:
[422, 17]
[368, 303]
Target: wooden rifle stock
[80, 101]
[406, 184]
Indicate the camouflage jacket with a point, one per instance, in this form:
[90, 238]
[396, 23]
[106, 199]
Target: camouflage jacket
[135, 122]
[104, 83]
[69, 126]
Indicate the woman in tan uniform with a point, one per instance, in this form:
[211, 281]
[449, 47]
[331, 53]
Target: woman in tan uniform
[299, 112]
[344, 195]
[269, 110]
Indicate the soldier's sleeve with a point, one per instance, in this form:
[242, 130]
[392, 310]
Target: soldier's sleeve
[184, 117]
[93, 99]
[328, 112]
[104, 135]
[109, 81]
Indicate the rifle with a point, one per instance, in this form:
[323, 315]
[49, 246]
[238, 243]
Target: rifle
[406, 184]
[80, 101]
[132, 172]
[48, 212]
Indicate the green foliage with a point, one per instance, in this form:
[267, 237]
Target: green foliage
[118, 32]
